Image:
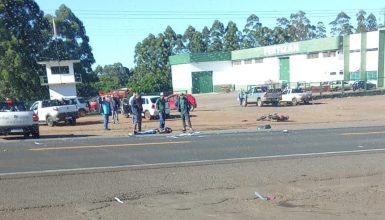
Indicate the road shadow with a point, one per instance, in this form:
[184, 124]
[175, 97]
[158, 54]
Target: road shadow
[53, 136]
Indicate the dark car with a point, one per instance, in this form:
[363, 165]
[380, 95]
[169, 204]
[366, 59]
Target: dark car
[358, 85]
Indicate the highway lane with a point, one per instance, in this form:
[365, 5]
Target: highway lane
[90, 152]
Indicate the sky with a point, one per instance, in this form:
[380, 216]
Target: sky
[116, 26]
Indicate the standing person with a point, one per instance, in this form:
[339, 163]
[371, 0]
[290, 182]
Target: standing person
[137, 109]
[105, 107]
[241, 97]
[115, 107]
[161, 107]
[184, 106]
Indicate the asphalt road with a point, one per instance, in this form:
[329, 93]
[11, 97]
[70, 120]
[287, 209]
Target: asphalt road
[42, 155]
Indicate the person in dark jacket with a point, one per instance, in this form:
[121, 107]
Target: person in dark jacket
[137, 109]
[161, 108]
[184, 106]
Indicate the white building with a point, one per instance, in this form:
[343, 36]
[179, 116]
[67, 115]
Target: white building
[60, 78]
[349, 58]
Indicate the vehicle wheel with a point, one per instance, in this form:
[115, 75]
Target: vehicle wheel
[275, 103]
[50, 121]
[259, 103]
[82, 113]
[147, 115]
[72, 121]
[244, 103]
[26, 135]
[294, 101]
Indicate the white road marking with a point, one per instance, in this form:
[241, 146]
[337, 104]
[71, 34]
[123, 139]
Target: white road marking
[195, 162]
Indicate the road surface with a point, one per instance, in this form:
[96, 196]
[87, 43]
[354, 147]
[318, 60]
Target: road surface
[89, 153]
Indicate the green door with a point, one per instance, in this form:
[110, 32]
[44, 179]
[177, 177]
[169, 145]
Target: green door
[284, 69]
[202, 82]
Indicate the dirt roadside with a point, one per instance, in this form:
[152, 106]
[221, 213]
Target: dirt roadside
[222, 112]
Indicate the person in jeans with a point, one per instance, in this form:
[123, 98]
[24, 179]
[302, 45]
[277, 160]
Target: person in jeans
[115, 107]
[184, 106]
[137, 109]
[161, 108]
[105, 107]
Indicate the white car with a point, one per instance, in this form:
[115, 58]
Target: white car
[81, 105]
[149, 108]
[53, 111]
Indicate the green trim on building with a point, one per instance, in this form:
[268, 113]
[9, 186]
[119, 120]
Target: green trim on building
[381, 58]
[303, 47]
[284, 69]
[363, 75]
[346, 51]
[199, 57]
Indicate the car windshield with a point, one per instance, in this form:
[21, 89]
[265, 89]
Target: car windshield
[153, 100]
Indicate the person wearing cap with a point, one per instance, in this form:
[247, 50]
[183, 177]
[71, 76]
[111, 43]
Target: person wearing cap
[160, 106]
[137, 109]
[184, 106]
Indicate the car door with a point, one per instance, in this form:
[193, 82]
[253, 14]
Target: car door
[36, 110]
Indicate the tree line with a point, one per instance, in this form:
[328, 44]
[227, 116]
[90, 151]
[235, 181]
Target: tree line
[26, 37]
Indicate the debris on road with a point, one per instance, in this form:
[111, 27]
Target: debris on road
[264, 127]
[118, 200]
[37, 143]
[285, 131]
[264, 198]
[273, 117]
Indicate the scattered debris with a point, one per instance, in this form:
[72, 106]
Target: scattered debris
[5, 150]
[264, 198]
[118, 200]
[273, 117]
[37, 143]
[285, 131]
[360, 146]
[244, 121]
[259, 196]
[264, 127]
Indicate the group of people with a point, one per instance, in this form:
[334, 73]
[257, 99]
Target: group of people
[110, 107]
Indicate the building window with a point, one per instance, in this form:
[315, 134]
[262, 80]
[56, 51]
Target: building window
[258, 60]
[312, 55]
[372, 49]
[237, 62]
[60, 69]
[333, 73]
[354, 76]
[248, 61]
[329, 54]
[341, 72]
[371, 75]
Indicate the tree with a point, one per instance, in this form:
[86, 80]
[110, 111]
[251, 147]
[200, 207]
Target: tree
[231, 38]
[112, 77]
[361, 22]
[205, 38]
[23, 35]
[371, 23]
[73, 43]
[300, 27]
[216, 37]
[152, 72]
[341, 25]
[251, 32]
[320, 30]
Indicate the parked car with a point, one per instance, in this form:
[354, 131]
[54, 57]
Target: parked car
[261, 95]
[149, 109]
[81, 105]
[15, 119]
[338, 85]
[53, 111]
[296, 96]
[93, 104]
[358, 85]
[171, 99]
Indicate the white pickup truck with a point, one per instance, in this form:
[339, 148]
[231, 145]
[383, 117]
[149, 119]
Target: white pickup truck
[295, 96]
[53, 111]
[15, 119]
